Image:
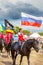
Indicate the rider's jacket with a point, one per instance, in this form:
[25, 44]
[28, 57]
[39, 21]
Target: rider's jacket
[8, 38]
[20, 36]
[1, 35]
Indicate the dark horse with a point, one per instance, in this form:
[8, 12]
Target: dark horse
[8, 47]
[1, 44]
[42, 44]
[26, 49]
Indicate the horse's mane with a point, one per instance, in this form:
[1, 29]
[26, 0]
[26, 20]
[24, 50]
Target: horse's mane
[30, 40]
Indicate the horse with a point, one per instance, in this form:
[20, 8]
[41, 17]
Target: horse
[8, 47]
[26, 50]
[1, 44]
[41, 42]
[42, 46]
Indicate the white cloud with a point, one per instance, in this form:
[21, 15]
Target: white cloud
[8, 7]
[12, 1]
[36, 3]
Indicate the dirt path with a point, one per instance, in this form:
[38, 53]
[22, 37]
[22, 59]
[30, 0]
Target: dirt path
[35, 59]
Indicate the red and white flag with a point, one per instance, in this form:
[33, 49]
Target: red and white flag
[29, 20]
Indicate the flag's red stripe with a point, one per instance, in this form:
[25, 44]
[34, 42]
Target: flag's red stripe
[30, 24]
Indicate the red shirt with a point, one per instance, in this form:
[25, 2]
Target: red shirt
[1, 35]
[10, 35]
[7, 38]
[20, 36]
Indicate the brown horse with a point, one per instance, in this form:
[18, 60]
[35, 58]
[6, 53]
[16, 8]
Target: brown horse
[26, 49]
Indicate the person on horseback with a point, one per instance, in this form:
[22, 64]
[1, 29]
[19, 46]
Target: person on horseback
[1, 35]
[20, 38]
[7, 38]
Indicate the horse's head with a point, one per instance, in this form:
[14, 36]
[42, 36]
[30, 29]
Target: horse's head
[32, 43]
[35, 45]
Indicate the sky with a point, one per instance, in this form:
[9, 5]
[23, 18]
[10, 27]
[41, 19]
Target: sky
[11, 10]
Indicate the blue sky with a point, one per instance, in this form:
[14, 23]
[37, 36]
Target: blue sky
[11, 10]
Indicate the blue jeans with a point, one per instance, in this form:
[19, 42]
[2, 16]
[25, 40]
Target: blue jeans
[20, 43]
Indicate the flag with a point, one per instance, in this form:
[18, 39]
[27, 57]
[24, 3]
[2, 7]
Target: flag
[29, 20]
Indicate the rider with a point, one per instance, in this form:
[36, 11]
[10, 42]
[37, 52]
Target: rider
[20, 38]
[1, 35]
[8, 37]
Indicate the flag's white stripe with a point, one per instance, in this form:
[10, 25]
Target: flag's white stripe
[30, 16]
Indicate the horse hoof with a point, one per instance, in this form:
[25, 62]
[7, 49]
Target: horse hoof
[13, 64]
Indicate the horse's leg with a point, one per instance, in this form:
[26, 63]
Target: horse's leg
[14, 60]
[12, 55]
[21, 59]
[28, 60]
[1, 47]
[42, 45]
[8, 54]
[15, 56]
[1, 50]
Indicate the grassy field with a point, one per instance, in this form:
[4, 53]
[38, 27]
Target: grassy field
[35, 59]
